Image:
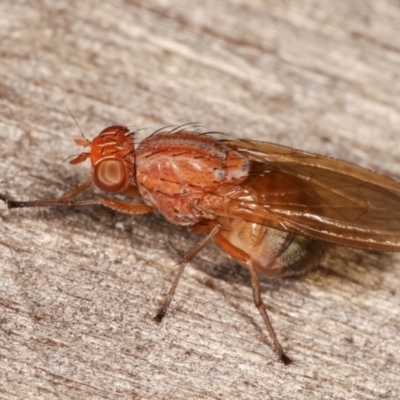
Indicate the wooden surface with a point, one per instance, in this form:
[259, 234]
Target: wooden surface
[78, 287]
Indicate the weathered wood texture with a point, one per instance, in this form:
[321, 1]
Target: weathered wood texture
[78, 286]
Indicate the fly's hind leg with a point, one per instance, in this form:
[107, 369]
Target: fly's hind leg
[245, 260]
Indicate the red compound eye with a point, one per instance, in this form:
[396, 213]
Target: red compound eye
[110, 175]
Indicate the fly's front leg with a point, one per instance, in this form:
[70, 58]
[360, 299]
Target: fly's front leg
[186, 259]
[74, 192]
[43, 203]
[245, 260]
[66, 201]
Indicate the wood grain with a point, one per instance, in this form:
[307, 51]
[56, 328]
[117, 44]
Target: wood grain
[78, 286]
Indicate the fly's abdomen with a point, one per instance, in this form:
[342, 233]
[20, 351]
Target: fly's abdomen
[270, 251]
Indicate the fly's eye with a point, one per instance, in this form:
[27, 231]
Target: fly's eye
[110, 175]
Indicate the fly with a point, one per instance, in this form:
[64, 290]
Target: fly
[271, 208]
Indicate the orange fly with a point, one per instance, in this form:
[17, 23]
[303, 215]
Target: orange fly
[271, 208]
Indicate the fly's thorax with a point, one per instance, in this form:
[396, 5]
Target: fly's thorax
[175, 171]
[272, 252]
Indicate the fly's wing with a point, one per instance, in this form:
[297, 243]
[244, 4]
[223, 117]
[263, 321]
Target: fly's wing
[316, 196]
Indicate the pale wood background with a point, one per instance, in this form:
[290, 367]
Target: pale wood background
[77, 287]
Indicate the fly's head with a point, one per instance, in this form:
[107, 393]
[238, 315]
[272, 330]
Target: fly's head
[112, 154]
